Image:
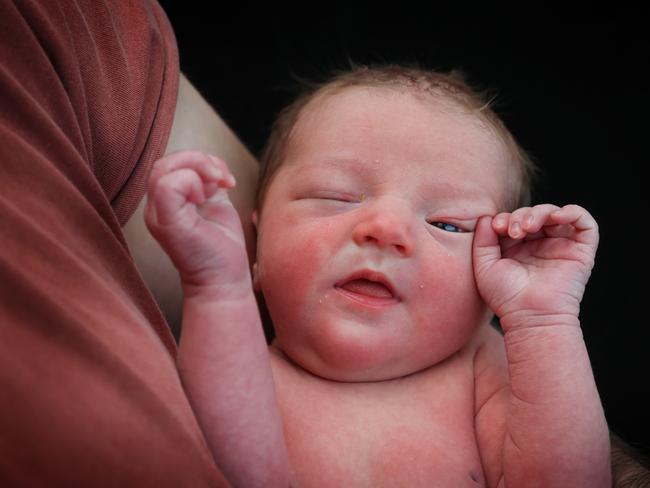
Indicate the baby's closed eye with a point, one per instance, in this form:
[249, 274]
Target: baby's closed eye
[333, 195]
[338, 196]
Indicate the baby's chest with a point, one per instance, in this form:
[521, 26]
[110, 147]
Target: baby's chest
[368, 437]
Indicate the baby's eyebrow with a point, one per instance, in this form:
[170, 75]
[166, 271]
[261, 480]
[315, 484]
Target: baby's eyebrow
[451, 190]
[354, 165]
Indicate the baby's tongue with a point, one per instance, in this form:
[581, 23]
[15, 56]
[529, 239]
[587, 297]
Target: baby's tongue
[367, 287]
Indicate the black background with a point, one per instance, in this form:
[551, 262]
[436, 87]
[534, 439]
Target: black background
[574, 94]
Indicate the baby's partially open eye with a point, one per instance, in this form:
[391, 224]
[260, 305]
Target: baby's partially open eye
[446, 226]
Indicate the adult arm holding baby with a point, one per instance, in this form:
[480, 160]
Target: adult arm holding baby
[531, 268]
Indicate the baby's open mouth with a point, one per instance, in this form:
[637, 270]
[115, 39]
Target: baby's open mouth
[363, 286]
[368, 288]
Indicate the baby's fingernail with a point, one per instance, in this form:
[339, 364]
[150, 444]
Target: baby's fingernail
[216, 173]
[515, 229]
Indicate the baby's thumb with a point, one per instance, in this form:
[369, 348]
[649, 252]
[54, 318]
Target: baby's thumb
[486, 249]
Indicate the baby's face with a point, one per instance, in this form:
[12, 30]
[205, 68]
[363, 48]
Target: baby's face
[362, 267]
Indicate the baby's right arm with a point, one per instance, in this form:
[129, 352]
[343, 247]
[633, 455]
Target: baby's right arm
[531, 268]
[223, 358]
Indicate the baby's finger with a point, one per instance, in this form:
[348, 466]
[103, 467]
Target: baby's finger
[209, 168]
[229, 179]
[584, 226]
[486, 249]
[172, 193]
[518, 219]
[535, 218]
[226, 181]
[526, 222]
[500, 223]
[194, 160]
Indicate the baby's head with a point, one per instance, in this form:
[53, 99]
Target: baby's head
[370, 190]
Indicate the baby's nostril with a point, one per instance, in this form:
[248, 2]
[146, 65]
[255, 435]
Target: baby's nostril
[370, 239]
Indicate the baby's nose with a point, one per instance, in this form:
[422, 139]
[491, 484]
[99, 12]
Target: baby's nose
[387, 225]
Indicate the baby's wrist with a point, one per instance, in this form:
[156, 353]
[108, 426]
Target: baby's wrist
[208, 279]
[529, 319]
[217, 290]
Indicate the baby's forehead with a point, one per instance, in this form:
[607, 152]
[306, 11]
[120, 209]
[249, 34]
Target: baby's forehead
[328, 111]
[333, 108]
[338, 102]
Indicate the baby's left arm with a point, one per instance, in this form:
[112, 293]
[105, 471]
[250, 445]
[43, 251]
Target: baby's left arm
[531, 268]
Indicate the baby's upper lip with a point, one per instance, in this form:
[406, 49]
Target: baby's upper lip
[370, 275]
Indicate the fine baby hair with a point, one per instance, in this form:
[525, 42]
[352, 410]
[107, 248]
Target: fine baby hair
[425, 84]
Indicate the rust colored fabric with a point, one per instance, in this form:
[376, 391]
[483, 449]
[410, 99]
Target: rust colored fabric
[89, 394]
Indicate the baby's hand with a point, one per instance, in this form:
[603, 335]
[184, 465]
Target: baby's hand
[535, 261]
[189, 213]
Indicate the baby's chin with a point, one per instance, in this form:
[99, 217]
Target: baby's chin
[356, 365]
[353, 350]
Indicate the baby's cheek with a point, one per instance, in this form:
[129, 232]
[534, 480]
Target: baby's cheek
[452, 306]
[289, 265]
[448, 275]
[301, 259]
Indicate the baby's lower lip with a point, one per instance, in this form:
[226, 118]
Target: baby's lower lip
[367, 300]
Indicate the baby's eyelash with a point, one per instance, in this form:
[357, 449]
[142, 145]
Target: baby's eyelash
[339, 197]
[446, 226]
